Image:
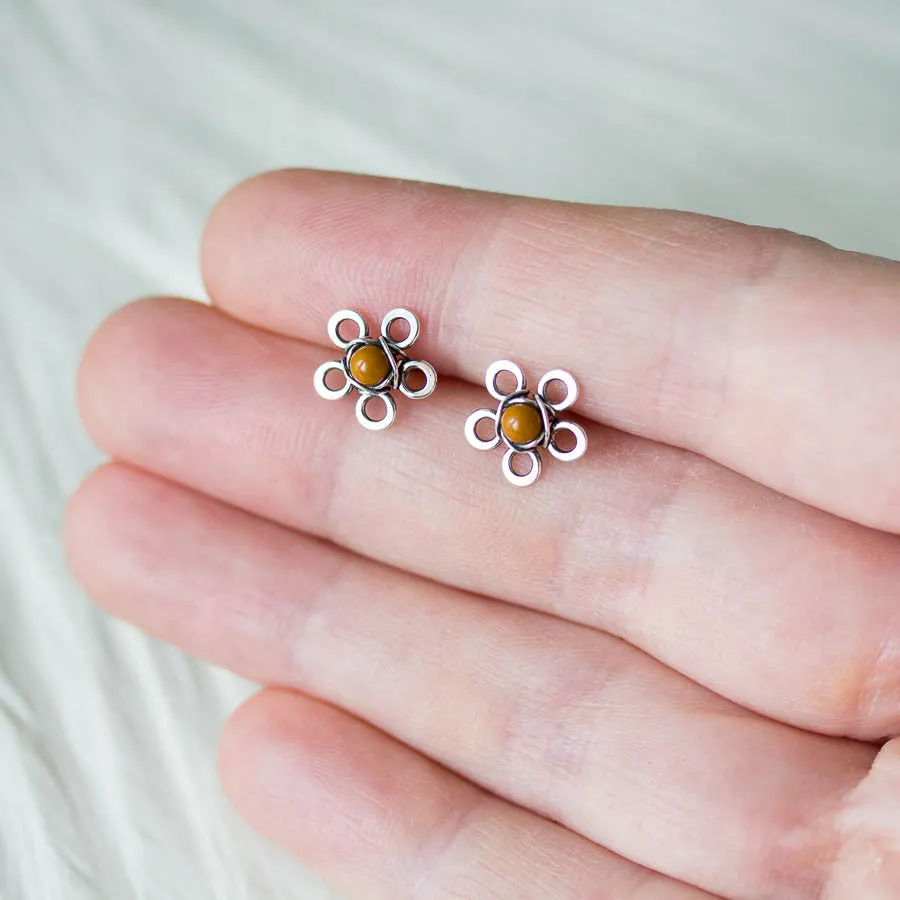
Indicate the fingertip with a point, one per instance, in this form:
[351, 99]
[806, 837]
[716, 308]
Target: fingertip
[283, 249]
[282, 764]
[126, 336]
[278, 724]
[101, 348]
[105, 530]
[219, 230]
[261, 724]
[80, 519]
[251, 208]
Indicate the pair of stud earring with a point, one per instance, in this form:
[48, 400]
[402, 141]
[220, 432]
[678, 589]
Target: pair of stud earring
[524, 421]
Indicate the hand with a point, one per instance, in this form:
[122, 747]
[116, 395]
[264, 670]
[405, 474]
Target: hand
[664, 670]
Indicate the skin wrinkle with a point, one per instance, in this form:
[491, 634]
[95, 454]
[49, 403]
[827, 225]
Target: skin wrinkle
[800, 857]
[405, 478]
[349, 632]
[594, 225]
[437, 856]
[337, 465]
[314, 445]
[649, 239]
[532, 717]
[804, 854]
[275, 623]
[459, 829]
[763, 268]
[589, 250]
[342, 633]
[766, 253]
[536, 736]
[572, 523]
[411, 280]
[531, 265]
[396, 474]
[868, 862]
[453, 329]
[590, 526]
[321, 456]
[662, 513]
[252, 617]
[877, 680]
[495, 259]
[766, 249]
[521, 310]
[668, 386]
[311, 612]
[503, 848]
[848, 832]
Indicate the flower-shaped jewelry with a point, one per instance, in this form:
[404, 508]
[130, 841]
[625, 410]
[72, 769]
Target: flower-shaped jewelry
[526, 421]
[374, 366]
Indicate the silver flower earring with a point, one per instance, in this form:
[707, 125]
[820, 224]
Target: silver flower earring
[526, 421]
[374, 366]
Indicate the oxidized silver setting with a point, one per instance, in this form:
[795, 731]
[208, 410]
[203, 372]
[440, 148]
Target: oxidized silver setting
[394, 350]
[549, 413]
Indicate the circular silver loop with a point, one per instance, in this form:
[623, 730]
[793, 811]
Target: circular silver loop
[430, 379]
[571, 389]
[322, 388]
[521, 480]
[472, 433]
[346, 315]
[498, 368]
[390, 411]
[410, 318]
[580, 442]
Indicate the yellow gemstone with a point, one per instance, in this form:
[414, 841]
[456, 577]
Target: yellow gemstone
[369, 365]
[521, 423]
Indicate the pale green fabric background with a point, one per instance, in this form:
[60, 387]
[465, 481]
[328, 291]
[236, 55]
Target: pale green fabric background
[121, 121]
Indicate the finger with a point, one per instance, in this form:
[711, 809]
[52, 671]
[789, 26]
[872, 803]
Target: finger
[380, 821]
[773, 354]
[869, 862]
[569, 722]
[774, 604]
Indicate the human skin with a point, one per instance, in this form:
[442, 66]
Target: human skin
[668, 671]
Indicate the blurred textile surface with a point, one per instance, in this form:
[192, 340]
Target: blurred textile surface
[121, 122]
